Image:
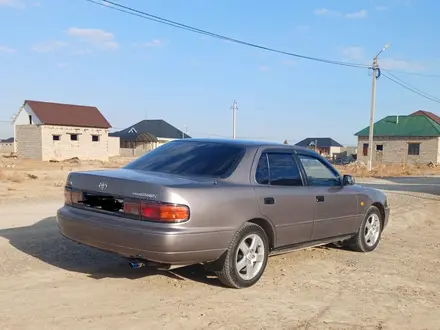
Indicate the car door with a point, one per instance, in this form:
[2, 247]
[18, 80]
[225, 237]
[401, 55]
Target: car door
[335, 205]
[282, 196]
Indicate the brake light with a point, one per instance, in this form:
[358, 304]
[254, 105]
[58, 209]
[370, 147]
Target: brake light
[132, 208]
[159, 212]
[72, 197]
[67, 196]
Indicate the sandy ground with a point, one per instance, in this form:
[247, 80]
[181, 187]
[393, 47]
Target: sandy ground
[49, 282]
[33, 180]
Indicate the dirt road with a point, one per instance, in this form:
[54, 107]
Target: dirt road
[48, 282]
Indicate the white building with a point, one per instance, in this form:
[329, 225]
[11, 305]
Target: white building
[55, 131]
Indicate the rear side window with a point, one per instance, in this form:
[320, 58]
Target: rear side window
[211, 159]
[262, 174]
[278, 169]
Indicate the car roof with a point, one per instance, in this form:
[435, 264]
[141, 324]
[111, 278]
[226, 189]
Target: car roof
[247, 143]
[239, 142]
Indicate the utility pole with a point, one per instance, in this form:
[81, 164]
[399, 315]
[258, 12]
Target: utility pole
[374, 67]
[234, 118]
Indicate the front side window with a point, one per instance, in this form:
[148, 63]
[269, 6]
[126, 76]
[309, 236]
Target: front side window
[185, 157]
[318, 173]
[278, 169]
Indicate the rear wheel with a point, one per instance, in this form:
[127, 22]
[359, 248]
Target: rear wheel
[369, 234]
[246, 258]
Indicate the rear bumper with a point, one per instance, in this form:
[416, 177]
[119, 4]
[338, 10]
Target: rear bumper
[172, 245]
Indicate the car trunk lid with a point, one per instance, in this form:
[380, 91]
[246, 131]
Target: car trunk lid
[129, 193]
[121, 183]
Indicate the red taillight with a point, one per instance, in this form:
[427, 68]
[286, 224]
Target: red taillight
[67, 196]
[160, 212]
[72, 197]
[164, 212]
[132, 208]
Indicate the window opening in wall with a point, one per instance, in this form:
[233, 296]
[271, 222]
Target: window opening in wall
[56, 137]
[95, 138]
[379, 147]
[30, 119]
[414, 149]
[365, 149]
[73, 137]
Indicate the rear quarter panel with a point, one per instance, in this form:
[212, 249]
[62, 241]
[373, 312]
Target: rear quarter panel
[221, 207]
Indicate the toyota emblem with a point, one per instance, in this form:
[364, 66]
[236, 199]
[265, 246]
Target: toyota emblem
[102, 186]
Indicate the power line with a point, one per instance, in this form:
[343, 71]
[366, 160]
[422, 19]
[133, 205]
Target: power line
[158, 19]
[409, 87]
[412, 86]
[415, 73]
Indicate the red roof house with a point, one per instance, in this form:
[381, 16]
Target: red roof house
[57, 131]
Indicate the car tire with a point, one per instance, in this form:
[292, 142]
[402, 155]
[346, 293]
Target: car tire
[369, 234]
[241, 270]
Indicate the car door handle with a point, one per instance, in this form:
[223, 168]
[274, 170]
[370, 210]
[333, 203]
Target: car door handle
[269, 200]
[319, 199]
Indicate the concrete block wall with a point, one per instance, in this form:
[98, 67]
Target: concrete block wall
[335, 150]
[395, 150]
[6, 147]
[438, 151]
[131, 152]
[113, 146]
[29, 142]
[64, 148]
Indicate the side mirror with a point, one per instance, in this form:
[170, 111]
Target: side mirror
[348, 180]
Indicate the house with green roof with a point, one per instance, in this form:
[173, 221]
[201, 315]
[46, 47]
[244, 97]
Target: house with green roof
[413, 138]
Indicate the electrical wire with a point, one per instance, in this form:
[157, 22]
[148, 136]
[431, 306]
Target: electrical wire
[416, 74]
[407, 86]
[412, 86]
[158, 19]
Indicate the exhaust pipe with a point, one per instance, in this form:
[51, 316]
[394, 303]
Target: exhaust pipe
[140, 263]
[137, 264]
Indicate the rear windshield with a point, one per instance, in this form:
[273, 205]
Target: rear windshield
[211, 159]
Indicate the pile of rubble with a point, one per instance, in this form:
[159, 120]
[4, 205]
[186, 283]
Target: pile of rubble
[73, 160]
[356, 164]
[12, 155]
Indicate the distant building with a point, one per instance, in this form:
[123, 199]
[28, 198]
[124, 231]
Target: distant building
[327, 147]
[7, 145]
[413, 138]
[148, 134]
[55, 131]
